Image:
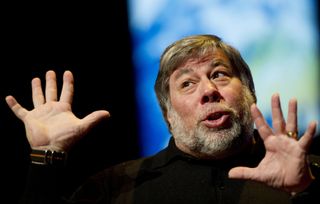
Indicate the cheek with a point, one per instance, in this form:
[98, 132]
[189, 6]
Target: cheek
[233, 95]
[183, 106]
[186, 109]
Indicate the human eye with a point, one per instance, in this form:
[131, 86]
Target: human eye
[185, 84]
[219, 75]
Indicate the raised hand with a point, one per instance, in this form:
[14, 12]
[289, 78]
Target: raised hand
[51, 124]
[285, 164]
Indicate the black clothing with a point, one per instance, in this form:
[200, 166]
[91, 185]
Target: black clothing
[170, 176]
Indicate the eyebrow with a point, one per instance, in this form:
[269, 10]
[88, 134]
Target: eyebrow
[218, 62]
[213, 64]
[183, 71]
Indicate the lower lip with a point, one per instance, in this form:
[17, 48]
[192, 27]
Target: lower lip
[222, 121]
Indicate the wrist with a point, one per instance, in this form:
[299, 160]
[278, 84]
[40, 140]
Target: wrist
[48, 157]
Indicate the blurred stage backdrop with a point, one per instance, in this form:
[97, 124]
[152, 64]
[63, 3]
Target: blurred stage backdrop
[278, 39]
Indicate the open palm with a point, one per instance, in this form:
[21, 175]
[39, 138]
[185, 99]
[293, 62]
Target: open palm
[285, 164]
[52, 124]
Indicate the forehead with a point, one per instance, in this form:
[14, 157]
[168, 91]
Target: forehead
[212, 58]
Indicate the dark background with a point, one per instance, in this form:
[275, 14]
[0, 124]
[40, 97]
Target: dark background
[93, 41]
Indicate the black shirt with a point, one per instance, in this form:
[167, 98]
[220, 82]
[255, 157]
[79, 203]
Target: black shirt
[170, 176]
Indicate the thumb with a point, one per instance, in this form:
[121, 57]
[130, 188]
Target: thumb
[93, 119]
[241, 173]
[16, 108]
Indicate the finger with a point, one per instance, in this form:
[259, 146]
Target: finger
[292, 122]
[261, 124]
[306, 140]
[16, 108]
[67, 87]
[94, 118]
[51, 86]
[278, 122]
[37, 94]
[241, 173]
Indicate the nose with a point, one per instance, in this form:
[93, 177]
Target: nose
[210, 93]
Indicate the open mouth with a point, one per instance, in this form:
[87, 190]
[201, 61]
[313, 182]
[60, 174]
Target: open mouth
[215, 116]
[217, 119]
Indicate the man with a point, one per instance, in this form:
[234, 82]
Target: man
[207, 96]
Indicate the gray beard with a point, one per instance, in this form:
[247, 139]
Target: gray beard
[216, 142]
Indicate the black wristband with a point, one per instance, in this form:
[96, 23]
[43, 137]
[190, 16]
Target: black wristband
[48, 157]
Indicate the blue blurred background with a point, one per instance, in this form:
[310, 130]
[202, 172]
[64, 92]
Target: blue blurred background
[277, 38]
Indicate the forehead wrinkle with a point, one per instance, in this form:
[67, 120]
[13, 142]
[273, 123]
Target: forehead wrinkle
[216, 58]
[182, 71]
[189, 66]
[217, 62]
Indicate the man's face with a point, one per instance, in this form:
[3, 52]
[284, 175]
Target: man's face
[210, 107]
